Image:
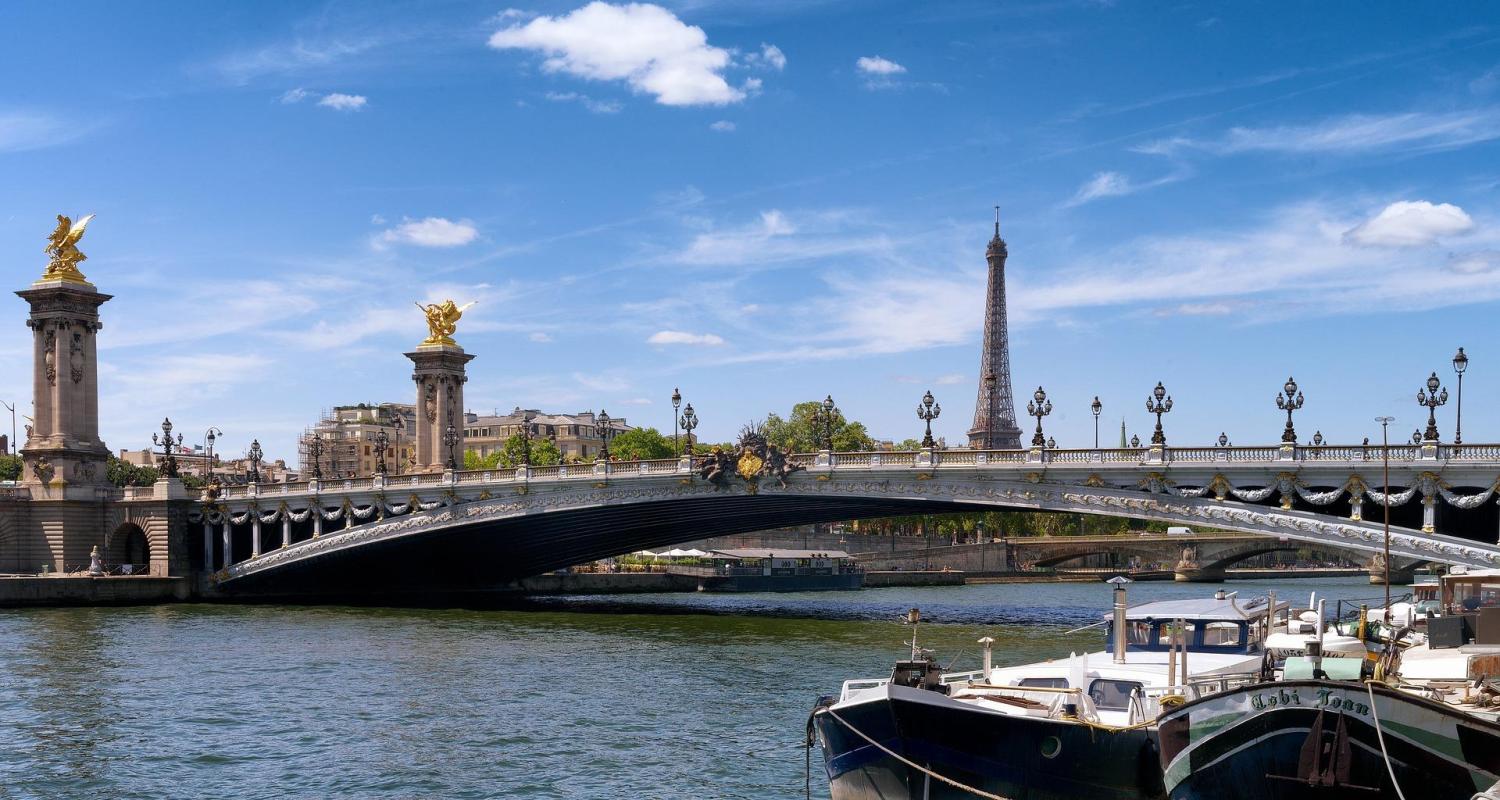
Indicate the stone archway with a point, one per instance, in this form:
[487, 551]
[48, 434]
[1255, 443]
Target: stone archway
[128, 545]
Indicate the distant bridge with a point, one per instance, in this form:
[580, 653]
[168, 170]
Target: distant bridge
[484, 527]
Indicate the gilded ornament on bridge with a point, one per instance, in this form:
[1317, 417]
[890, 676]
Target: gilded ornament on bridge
[442, 321]
[1220, 486]
[753, 458]
[62, 246]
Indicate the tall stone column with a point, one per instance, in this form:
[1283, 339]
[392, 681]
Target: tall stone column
[440, 377]
[63, 454]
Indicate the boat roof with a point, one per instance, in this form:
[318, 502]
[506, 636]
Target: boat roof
[765, 552]
[1148, 666]
[1197, 608]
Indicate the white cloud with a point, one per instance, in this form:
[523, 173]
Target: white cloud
[30, 130]
[1350, 134]
[1217, 309]
[295, 95]
[722, 126]
[949, 380]
[1410, 224]
[776, 239]
[642, 44]
[771, 54]
[636, 401]
[683, 337]
[601, 383]
[539, 337]
[1114, 184]
[876, 65]
[430, 232]
[596, 106]
[343, 102]
[283, 58]
[1474, 263]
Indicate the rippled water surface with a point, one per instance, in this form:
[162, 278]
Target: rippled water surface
[650, 696]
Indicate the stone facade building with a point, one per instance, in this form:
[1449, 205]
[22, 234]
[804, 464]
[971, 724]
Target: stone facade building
[348, 435]
[577, 436]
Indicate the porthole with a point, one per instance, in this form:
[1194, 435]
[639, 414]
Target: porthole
[1051, 746]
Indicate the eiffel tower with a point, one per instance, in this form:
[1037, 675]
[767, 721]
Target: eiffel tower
[995, 412]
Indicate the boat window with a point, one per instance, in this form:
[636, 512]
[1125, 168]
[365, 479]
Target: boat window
[1108, 693]
[1138, 632]
[1221, 634]
[1164, 632]
[1044, 683]
[1470, 596]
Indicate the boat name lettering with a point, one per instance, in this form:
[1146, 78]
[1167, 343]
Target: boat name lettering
[1282, 698]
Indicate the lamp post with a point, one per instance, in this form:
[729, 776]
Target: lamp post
[989, 422]
[168, 456]
[1289, 400]
[255, 456]
[11, 407]
[209, 437]
[828, 411]
[676, 401]
[689, 421]
[1460, 363]
[450, 441]
[382, 441]
[526, 438]
[603, 423]
[927, 411]
[315, 449]
[1038, 406]
[1154, 405]
[1431, 399]
[400, 425]
[1385, 448]
[1096, 407]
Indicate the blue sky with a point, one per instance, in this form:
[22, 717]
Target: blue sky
[763, 203]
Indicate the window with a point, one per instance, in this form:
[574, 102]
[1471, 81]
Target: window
[1138, 632]
[1044, 683]
[1108, 693]
[1222, 634]
[367, 449]
[1164, 632]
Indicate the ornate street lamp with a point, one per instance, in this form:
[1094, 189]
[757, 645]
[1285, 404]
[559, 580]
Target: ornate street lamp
[382, 441]
[1318, 439]
[1039, 406]
[1385, 447]
[927, 411]
[603, 423]
[989, 422]
[1223, 439]
[1416, 436]
[1460, 363]
[315, 449]
[450, 441]
[1431, 399]
[168, 455]
[689, 421]
[1051, 443]
[209, 439]
[255, 456]
[1289, 400]
[1096, 407]
[400, 425]
[1154, 405]
[827, 419]
[676, 401]
[526, 438]
[1135, 441]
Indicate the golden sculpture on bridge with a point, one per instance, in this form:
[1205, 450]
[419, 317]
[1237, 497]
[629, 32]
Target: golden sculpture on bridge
[62, 245]
[442, 321]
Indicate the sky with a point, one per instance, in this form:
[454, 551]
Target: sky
[763, 203]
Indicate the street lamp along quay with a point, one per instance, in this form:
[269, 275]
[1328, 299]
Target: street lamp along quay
[1289, 400]
[689, 421]
[255, 455]
[1154, 405]
[1039, 406]
[828, 409]
[1385, 448]
[1431, 399]
[1460, 363]
[676, 403]
[603, 423]
[168, 454]
[1096, 407]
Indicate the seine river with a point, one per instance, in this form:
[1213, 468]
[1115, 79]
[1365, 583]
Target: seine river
[655, 696]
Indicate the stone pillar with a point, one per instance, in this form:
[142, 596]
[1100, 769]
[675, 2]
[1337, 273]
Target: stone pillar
[439, 375]
[317, 515]
[208, 546]
[286, 530]
[254, 533]
[63, 455]
[228, 557]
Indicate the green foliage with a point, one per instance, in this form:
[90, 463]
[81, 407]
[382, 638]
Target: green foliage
[801, 432]
[10, 468]
[544, 453]
[909, 444]
[638, 444]
[122, 474]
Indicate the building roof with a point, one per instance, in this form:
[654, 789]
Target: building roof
[758, 552]
[1197, 608]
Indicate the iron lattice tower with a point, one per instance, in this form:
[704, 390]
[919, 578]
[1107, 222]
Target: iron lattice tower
[995, 412]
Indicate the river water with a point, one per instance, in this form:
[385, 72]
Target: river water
[648, 696]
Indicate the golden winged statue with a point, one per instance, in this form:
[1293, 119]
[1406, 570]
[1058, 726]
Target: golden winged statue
[62, 245]
[442, 321]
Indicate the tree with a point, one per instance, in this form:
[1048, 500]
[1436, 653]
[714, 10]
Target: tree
[544, 453]
[909, 444]
[122, 474]
[638, 444]
[10, 468]
[802, 431]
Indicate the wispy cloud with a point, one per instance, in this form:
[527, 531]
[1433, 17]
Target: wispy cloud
[32, 130]
[777, 239]
[878, 65]
[645, 46]
[596, 106]
[683, 337]
[722, 126]
[1115, 184]
[288, 58]
[430, 232]
[339, 101]
[1350, 134]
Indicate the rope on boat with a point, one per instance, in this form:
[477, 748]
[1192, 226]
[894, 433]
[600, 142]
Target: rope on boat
[918, 767]
[1370, 687]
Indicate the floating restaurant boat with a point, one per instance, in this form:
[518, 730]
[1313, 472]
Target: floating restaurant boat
[1077, 727]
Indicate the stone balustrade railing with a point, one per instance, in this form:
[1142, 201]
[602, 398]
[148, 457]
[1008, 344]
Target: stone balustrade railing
[1279, 456]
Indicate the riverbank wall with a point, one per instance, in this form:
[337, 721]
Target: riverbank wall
[880, 579]
[20, 591]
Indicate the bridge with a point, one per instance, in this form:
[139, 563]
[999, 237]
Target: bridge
[483, 528]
